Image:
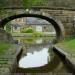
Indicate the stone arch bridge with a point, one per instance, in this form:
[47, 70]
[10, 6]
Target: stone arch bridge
[64, 18]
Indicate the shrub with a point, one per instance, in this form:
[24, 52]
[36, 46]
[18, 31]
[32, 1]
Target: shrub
[31, 30]
[37, 34]
[27, 30]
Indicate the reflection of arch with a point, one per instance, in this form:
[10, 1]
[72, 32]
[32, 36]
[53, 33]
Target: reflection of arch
[58, 28]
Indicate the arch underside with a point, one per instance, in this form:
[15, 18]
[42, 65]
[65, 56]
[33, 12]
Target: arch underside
[58, 28]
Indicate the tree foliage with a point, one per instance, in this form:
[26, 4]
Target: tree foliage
[29, 3]
[3, 3]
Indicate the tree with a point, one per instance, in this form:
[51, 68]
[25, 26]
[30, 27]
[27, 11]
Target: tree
[3, 3]
[29, 3]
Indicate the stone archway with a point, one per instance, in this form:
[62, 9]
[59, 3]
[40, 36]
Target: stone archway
[56, 24]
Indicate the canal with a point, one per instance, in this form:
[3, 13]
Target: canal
[38, 58]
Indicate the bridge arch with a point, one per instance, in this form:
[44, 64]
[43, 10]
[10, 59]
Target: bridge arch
[60, 34]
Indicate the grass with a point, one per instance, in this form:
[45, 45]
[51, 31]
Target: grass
[3, 62]
[35, 34]
[68, 46]
[4, 46]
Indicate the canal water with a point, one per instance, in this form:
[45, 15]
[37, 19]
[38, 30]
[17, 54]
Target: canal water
[38, 57]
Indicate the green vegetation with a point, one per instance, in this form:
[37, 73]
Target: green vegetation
[28, 40]
[3, 3]
[29, 3]
[8, 27]
[27, 30]
[67, 45]
[3, 62]
[31, 40]
[31, 30]
[37, 34]
[4, 47]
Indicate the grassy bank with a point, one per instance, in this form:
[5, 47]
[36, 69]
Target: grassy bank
[67, 45]
[4, 46]
[36, 34]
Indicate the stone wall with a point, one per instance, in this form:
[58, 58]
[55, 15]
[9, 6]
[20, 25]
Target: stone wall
[5, 37]
[66, 17]
[62, 4]
[11, 58]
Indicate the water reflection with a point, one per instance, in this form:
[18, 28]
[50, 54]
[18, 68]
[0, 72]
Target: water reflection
[37, 59]
[38, 41]
[33, 40]
[54, 65]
